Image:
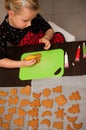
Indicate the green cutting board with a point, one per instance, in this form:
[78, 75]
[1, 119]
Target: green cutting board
[50, 65]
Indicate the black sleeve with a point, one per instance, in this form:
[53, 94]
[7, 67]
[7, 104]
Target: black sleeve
[40, 24]
[3, 44]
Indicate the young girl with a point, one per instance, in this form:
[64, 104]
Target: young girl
[22, 26]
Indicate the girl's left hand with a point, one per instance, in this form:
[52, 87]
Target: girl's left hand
[46, 42]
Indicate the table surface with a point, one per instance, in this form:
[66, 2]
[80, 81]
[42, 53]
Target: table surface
[10, 77]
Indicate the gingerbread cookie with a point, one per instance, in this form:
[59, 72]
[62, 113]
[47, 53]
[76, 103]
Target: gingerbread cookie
[58, 125]
[26, 90]
[46, 122]
[3, 93]
[60, 113]
[19, 122]
[12, 110]
[5, 125]
[46, 113]
[75, 96]
[74, 109]
[57, 89]
[33, 123]
[21, 112]
[13, 100]
[33, 112]
[35, 103]
[46, 92]
[71, 119]
[8, 117]
[61, 100]
[36, 95]
[3, 101]
[13, 92]
[77, 125]
[0, 121]
[2, 109]
[24, 102]
[48, 103]
[69, 127]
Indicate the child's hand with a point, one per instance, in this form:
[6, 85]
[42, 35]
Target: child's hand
[28, 62]
[46, 42]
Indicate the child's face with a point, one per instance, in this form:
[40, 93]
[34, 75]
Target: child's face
[21, 19]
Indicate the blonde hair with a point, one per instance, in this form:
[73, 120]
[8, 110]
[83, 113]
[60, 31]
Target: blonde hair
[15, 5]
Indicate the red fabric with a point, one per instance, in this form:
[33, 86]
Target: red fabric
[32, 38]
